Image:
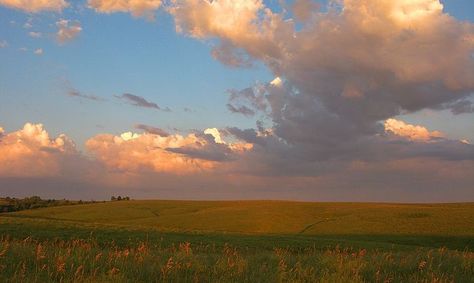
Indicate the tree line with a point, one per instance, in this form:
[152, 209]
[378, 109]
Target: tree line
[9, 204]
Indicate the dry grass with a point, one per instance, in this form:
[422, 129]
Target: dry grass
[28, 260]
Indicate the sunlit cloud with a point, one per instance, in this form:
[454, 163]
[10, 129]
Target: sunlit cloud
[136, 153]
[329, 118]
[412, 132]
[138, 8]
[34, 6]
[30, 151]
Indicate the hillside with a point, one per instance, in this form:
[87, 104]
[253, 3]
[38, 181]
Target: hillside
[270, 217]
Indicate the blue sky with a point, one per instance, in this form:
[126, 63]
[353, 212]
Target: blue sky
[114, 54]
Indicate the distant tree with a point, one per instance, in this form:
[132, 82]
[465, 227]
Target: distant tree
[119, 198]
[113, 198]
[126, 198]
[16, 204]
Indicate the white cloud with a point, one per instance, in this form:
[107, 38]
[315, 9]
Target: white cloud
[35, 34]
[67, 31]
[38, 51]
[27, 25]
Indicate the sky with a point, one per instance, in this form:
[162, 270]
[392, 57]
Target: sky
[343, 100]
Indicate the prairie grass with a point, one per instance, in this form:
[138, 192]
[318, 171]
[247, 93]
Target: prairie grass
[172, 241]
[79, 260]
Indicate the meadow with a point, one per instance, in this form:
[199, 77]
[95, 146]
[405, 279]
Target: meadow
[238, 241]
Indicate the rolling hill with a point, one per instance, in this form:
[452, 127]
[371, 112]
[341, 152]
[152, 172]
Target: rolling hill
[269, 217]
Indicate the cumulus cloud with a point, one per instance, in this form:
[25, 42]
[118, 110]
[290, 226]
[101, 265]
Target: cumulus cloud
[67, 31]
[341, 74]
[32, 152]
[326, 122]
[138, 8]
[34, 6]
[147, 152]
[237, 25]
[139, 101]
[198, 166]
[160, 152]
[38, 51]
[215, 133]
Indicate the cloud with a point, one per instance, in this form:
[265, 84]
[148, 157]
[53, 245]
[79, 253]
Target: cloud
[215, 133]
[326, 127]
[75, 93]
[171, 153]
[38, 51]
[30, 151]
[209, 153]
[35, 34]
[139, 101]
[236, 24]
[244, 110]
[462, 107]
[3, 43]
[147, 153]
[196, 166]
[138, 8]
[34, 6]
[303, 10]
[231, 56]
[248, 101]
[342, 74]
[248, 135]
[67, 31]
[411, 132]
[152, 130]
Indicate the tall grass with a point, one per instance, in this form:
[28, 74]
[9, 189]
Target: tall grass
[88, 260]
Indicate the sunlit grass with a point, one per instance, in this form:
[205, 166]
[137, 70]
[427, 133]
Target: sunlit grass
[29, 260]
[271, 217]
[170, 241]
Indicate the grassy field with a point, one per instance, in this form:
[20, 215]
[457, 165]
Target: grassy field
[249, 241]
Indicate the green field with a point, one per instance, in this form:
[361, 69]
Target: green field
[234, 241]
